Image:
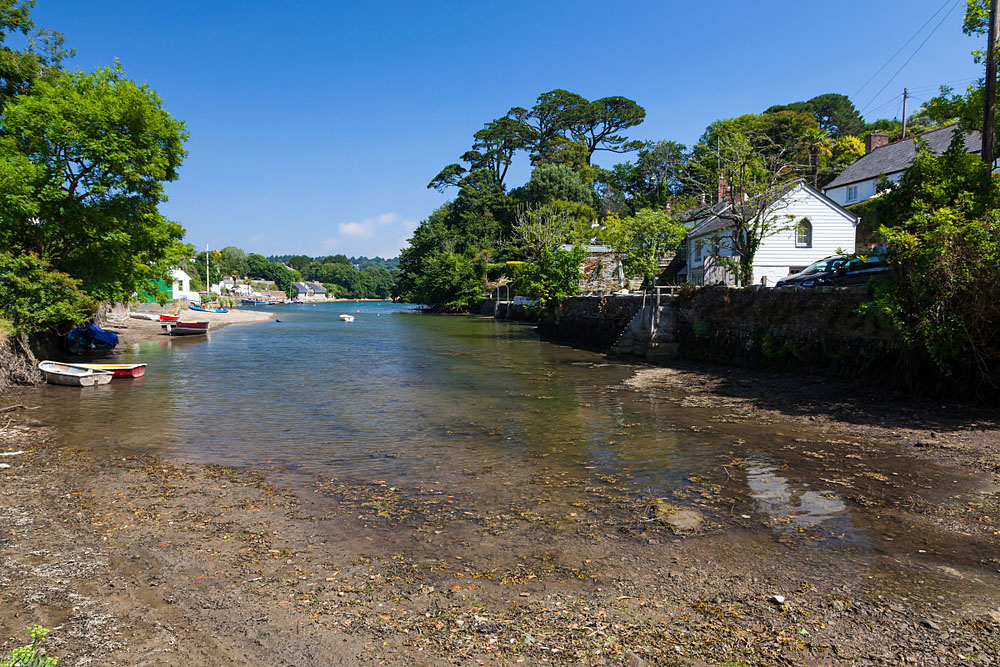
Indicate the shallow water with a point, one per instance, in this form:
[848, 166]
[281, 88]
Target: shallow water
[483, 408]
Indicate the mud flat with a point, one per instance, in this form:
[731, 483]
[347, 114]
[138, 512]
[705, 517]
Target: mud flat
[141, 561]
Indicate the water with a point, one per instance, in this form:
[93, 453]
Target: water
[484, 408]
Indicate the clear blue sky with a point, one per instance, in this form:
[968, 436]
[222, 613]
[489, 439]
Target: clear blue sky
[315, 125]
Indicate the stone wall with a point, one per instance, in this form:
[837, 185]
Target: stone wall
[806, 330]
[591, 321]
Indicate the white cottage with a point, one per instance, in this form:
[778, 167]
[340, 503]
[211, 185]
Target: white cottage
[181, 287]
[860, 181]
[812, 226]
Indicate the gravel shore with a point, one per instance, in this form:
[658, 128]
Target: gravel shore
[141, 561]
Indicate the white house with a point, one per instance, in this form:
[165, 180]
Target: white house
[181, 287]
[859, 181]
[811, 227]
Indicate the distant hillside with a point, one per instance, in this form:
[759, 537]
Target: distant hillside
[361, 263]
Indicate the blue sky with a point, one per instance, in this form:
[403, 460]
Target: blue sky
[315, 126]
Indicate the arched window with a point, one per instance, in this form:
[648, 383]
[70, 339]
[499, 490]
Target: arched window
[804, 234]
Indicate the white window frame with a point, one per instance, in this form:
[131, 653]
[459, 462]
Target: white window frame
[852, 193]
[808, 243]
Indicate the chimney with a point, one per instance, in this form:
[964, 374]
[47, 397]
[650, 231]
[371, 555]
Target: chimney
[875, 140]
[723, 189]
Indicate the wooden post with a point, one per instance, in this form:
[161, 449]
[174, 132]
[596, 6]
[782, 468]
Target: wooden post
[905, 91]
[990, 93]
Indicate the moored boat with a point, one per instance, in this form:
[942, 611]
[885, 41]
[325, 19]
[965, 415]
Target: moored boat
[144, 316]
[252, 302]
[72, 375]
[202, 309]
[347, 318]
[169, 317]
[119, 370]
[185, 328]
[91, 339]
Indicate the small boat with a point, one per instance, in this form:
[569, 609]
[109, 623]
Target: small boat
[252, 302]
[169, 317]
[90, 339]
[118, 370]
[143, 316]
[185, 328]
[347, 318]
[72, 375]
[207, 310]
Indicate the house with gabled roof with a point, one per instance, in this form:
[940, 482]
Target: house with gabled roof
[860, 180]
[810, 226]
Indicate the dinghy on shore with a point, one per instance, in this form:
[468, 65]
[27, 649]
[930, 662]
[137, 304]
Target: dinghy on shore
[118, 370]
[72, 375]
[185, 328]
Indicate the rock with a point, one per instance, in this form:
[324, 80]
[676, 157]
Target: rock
[778, 599]
[632, 660]
[681, 519]
[930, 624]
[994, 616]
[838, 605]
[4, 465]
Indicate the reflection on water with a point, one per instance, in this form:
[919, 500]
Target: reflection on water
[474, 404]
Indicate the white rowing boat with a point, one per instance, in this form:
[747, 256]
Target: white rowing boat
[73, 376]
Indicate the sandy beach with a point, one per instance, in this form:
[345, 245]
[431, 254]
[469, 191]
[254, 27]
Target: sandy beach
[138, 331]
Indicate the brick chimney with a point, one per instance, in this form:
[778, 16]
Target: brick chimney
[875, 140]
[723, 193]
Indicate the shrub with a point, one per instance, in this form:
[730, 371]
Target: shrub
[30, 655]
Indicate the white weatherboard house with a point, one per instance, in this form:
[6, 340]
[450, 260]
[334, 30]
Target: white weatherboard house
[860, 181]
[812, 226]
[181, 287]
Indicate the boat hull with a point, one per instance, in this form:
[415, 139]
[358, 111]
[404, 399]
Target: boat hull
[185, 328]
[119, 370]
[70, 375]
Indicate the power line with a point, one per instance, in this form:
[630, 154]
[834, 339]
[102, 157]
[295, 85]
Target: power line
[865, 84]
[929, 35]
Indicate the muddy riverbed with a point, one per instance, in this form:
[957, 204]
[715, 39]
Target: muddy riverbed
[827, 525]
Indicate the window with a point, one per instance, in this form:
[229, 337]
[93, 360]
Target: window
[804, 234]
[852, 193]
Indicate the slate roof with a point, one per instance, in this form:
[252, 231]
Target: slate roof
[317, 288]
[897, 156]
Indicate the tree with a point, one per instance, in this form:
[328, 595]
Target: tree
[654, 181]
[834, 113]
[34, 297]
[751, 177]
[41, 59]
[555, 181]
[819, 146]
[551, 272]
[941, 228]
[644, 239]
[598, 123]
[83, 161]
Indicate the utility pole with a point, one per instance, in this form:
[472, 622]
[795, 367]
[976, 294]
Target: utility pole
[905, 91]
[989, 103]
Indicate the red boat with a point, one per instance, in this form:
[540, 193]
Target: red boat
[119, 370]
[185, 328]
[165, 317]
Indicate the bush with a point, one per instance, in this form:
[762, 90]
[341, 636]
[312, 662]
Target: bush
[30, 655]
[34, 297]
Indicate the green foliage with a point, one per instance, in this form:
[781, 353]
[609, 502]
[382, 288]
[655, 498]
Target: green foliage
[552, 275]
[941, 226]
[30, 655]
[34, 297]
[83, 161]
[643, 239]
[557, 181]
[656, 180]
[835, 114]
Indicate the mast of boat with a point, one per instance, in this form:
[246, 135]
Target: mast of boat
[208, 279]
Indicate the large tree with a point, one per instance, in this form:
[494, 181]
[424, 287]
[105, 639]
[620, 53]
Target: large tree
[83, 163]
[750, 177]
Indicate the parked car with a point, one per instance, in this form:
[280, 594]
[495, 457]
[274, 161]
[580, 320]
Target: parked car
[838, 271]
[807, 277]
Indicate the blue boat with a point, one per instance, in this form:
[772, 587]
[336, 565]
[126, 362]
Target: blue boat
[251, 302]
[208, 310]
[91, 338]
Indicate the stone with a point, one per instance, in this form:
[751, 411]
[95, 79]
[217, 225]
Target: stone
[681, 519]
[778, 599]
